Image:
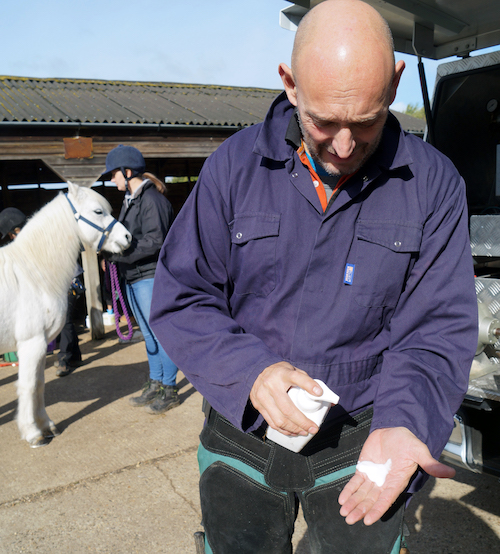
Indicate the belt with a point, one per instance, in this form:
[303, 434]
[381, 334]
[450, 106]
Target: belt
[336, 447]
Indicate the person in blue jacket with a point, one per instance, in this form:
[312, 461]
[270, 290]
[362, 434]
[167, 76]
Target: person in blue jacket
[324, 243]
[147, 214]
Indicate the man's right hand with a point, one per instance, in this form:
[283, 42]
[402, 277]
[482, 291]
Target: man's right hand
[269, 395]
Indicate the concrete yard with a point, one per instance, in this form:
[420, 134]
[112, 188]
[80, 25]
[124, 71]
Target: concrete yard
[118, 480]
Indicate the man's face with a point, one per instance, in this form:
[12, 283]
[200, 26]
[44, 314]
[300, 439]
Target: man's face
[340, 131]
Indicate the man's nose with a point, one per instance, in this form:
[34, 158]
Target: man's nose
[344, 143]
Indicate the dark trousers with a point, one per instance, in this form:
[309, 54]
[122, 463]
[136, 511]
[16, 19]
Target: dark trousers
[250, 491]
[69, 349]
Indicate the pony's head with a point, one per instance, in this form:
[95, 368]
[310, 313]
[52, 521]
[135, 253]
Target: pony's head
[97, 228]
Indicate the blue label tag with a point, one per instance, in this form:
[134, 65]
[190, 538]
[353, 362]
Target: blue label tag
[348, 274]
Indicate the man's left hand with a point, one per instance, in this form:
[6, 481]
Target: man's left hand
[362, 499]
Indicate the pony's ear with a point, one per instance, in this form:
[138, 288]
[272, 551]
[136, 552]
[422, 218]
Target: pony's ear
[72, 189]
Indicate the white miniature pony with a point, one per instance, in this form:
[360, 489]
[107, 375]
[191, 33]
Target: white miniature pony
[36, 271]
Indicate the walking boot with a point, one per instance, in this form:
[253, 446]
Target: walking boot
[167, 399]
[149, 392]
[65, 368]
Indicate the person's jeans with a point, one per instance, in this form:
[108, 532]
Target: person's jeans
[161, 367]
[250, 489]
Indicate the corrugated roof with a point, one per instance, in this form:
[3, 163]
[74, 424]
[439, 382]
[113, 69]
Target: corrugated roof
[83, 101]
[32, 100]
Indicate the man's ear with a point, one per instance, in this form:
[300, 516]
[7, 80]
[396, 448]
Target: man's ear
[400, 66]
[289, 83]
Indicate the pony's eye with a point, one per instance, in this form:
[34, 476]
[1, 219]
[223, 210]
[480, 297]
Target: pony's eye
[98, 211]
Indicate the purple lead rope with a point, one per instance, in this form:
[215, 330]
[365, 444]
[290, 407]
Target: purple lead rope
[116, 295]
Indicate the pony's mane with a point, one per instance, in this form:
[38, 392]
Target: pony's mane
[47, 248]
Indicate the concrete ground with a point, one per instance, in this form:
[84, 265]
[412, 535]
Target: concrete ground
[118, 480]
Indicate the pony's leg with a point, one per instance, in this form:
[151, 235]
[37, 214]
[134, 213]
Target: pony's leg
[32, 419]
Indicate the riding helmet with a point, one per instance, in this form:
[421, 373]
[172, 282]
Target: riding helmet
[10, 218]
[125, 157]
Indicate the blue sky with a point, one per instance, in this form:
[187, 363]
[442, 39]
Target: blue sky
[225, 42]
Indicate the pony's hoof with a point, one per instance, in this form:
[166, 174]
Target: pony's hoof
[39, 441]
[51, 432]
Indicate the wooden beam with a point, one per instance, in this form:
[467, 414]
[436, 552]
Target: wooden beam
[93, 293]
[80, 171]
[174, 147]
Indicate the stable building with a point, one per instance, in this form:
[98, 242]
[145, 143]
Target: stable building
[55, 130]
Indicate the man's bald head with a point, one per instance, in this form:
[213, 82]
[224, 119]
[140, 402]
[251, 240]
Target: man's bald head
[341, 35]
[354, 16]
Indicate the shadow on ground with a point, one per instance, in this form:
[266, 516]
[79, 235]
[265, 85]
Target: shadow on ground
[100, 383]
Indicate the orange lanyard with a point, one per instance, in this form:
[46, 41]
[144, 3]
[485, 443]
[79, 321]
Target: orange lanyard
[317, 182]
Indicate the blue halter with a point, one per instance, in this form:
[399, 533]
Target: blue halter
[105, 232]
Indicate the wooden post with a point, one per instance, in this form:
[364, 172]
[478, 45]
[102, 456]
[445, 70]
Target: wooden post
[93, 293]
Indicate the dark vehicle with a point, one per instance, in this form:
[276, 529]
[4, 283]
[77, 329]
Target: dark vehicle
[463, 121]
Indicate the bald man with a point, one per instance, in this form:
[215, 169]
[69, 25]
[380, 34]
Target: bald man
[324, 243]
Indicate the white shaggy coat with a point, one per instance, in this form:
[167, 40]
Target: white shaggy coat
[36, 271]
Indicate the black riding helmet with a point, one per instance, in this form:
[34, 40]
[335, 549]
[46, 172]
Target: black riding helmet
[123, 158]
[10, 218]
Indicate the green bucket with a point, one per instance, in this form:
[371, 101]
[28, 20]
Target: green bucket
[10, 357]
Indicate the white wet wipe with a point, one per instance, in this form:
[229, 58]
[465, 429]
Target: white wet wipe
[375, 472]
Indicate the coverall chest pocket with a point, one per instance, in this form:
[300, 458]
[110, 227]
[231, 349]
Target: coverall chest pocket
[254, 238]
[385, 250]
